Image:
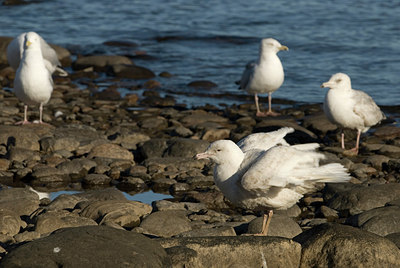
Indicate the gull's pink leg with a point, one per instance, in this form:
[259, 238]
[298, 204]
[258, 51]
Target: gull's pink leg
[270, 112]
[25, 117]
[259, 113]
[342, 139]
[354, 151]
[266, 221]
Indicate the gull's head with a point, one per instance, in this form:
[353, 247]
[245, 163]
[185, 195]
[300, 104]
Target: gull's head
[32, 39]
[221, 151]
[339, 80]
[270, 44]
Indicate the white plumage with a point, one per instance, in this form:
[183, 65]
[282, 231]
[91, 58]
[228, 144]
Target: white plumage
[275, 178]
[350, 108]
[16, 48]
[265, 76]
[264, 140]
[33, 83]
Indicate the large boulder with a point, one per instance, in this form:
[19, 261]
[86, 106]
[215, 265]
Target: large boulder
[336, 245]
[89, 246]
[243, 251]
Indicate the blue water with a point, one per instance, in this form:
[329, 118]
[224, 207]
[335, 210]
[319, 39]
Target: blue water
[213, 40]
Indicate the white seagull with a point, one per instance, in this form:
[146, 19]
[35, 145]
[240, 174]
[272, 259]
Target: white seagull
[269, 179]
[16, 48]
[265, 76]
[350, 108]
[33, 83]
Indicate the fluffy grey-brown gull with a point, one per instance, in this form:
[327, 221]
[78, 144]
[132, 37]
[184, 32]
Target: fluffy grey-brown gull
[265, 76]
[16, 48]
[275, 178]
[33, 83]
[350, 108]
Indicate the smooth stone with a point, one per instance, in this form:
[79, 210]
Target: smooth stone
[61, 249]
[132, 184]
[381, 221]
[318, 123]
[153, 148]
[242, 251]
[54, 220]
[183, 147]
[64, 201]
[19, 137]
[202, 84]
[96, 179]
[22, 201]
[364, 198]
[166, 223]
[132, 71]
[335, 245]
[216, 134]
[206, 232]
[127, 214]
[279, 226]
[10, 222]
[109, 150]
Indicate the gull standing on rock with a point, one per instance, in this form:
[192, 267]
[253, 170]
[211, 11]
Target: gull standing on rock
[33, 83]
[265, 76]
[350, 108]
[16, 48]
[275, 178]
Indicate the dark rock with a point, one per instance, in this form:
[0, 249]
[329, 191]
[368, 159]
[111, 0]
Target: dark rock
[153, 148]
[318, 123]
[181, 147]
[132, 71]
[335, 245]
[166, 223]
[154, 123]
[381, 221]
[100, 62]
[96, 179]
[112, 151]
[202, 84]
[62, 248]
[132, 184]
[157, 101]
[242, 251]
[76, 168]
[364, 198]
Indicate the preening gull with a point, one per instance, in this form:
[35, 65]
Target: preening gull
[33, 83]
[265, 76]
[264, 140]
[15, 51]
[269, 179]
[350, 108]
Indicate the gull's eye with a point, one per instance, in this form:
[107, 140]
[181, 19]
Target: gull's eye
[338, 80]
[219, 150]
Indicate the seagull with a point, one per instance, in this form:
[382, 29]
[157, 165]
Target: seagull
[265, 76]
[350, 108]
[263, 180]
[264, 140]
[33, 83]
[15, 51]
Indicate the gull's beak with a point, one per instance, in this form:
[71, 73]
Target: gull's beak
[326, 84]
[283, 48]
[28, 43]
[204, 155]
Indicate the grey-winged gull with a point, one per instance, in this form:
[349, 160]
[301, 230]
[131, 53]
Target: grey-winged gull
[265, 76]
[350, 108]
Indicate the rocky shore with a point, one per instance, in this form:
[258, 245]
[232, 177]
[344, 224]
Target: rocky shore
[102, 143]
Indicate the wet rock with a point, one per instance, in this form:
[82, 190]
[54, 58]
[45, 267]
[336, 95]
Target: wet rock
[110, 93]
[112, 151]
[157, 101]
[202, 84]
[279, 226]
[76, 169]
[10, 222]
[166, 223]
[198, 117]
[334, 244]
[132, 71]
[19, 200]
[65, 201]
[132, 184]
[363, 198]
[62, 247]
[153, 148]
[54, 220]
[126, 214]
[381, 221]
[243, 251]
[100, 62]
